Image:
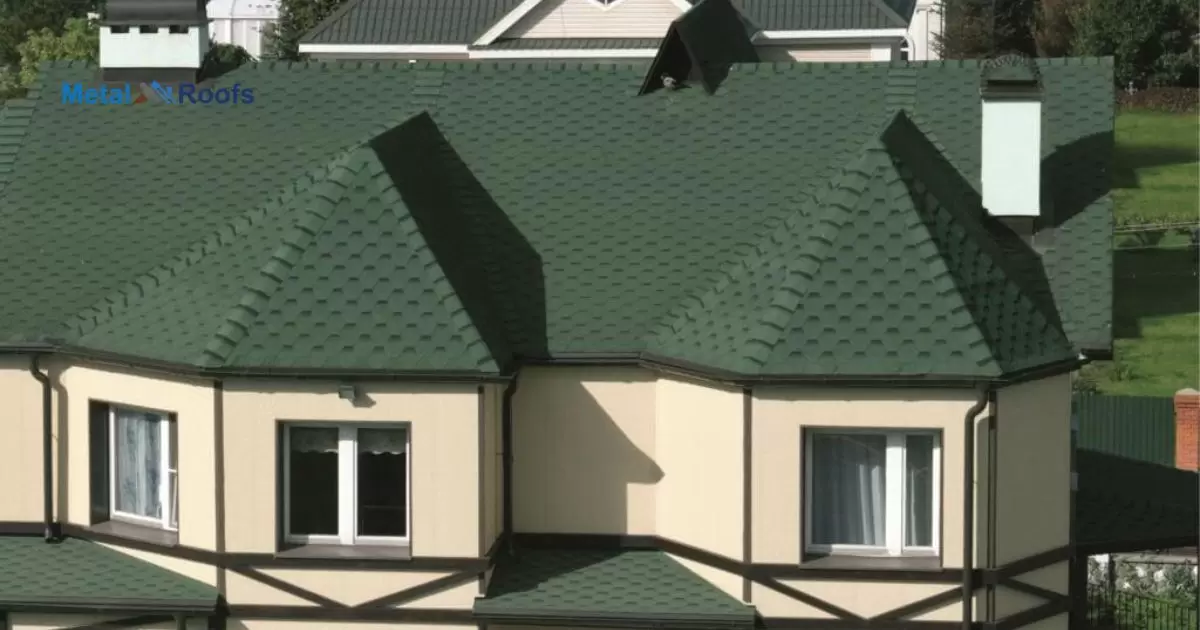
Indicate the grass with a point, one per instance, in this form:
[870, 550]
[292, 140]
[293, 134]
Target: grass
[1156, 301]
[1156, 165]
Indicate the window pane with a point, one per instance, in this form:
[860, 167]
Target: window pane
[313, 493]
[173, 474]
[382, 482]
[918, 491]
[138, 460]
[848, 489]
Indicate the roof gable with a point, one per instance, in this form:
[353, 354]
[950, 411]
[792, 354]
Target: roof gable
[702, 44]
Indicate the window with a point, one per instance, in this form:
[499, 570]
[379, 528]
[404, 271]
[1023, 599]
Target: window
[145, 479]
[872, 492]
[176, 29]
[346, 485]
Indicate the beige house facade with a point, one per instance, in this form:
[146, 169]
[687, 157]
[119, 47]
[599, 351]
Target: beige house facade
[712, 474]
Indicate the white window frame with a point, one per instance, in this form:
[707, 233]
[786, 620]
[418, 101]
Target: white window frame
[894, 499]
[347, 487]
[168, 489]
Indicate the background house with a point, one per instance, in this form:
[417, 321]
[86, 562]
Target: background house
[827, 30]
[241, 22]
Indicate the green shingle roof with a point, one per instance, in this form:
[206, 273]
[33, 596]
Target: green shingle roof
[566, 215]
[605, 586]
[81, 573]
[462, 21]
[409, 21]
[572, 43]
[1124, 503]
[888, 271]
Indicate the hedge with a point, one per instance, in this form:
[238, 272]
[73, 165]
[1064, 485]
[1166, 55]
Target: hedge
[1176, 100]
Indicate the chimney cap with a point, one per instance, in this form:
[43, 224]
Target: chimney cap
[155, 12]
[1012, 72]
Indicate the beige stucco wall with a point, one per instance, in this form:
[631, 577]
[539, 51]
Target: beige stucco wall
[192, 400]
[1033, 485]
[21, 446]
[444, 423]
[493, 462]
[276, 624]
[583, 451]
[585, 18]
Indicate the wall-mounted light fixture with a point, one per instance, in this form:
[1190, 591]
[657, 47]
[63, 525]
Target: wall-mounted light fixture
[348, 392]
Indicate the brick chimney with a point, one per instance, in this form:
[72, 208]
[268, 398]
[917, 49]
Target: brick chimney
[1187, 429]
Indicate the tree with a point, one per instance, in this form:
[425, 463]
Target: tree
[296, 18]
[1054, 27]
[1150, 40]
[80, 40]
[985, 28]
[222, 58]
[18, 18]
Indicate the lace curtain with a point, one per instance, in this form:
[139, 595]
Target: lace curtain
[138, 445]
[325, 440]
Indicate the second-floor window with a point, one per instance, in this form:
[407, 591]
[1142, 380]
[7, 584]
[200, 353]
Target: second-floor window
[144, 486]
[346, 484]
[872, 492]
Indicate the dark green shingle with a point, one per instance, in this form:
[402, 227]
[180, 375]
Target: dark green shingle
[1122, 500]
[82, 573]
[605, 586]
[594, 214]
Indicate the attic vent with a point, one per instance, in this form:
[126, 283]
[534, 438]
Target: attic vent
[120, 30]
[148, 30]
[177, 29]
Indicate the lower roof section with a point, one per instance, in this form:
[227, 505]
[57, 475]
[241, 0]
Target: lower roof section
[1126, 505]
[605, 588]
[73, 575]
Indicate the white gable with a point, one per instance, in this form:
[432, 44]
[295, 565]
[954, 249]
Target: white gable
[592, 18]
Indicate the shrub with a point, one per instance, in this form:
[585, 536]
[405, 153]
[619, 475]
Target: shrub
[1174, 100]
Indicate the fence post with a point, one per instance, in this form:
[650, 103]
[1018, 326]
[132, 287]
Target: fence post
[1110, 603]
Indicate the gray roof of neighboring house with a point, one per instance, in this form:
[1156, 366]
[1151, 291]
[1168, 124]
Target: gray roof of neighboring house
[396, 22]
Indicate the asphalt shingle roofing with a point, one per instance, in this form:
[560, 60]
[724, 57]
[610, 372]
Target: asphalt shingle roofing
[80, 573]
[432, 217]
[604, 586]
[463, 21]
[1122, 503]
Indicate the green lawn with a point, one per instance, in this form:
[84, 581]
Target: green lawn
[1156, 302]
[1156, 165]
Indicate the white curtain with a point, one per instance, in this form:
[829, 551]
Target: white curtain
[138, 443]
[848, 489]
[382, 441]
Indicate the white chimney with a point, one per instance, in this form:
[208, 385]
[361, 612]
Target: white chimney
[1011, 137]
[153, 35]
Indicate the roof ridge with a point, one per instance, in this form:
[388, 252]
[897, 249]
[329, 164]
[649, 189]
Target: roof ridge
[108, 307]
[257, 291]
[446, 292]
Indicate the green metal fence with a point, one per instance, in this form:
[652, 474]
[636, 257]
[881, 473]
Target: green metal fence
[1136, 427]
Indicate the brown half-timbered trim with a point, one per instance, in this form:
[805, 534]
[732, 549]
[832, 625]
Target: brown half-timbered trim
[421, 590]
[807, 623]
[128, 622]
[313, 613]
[287, 587]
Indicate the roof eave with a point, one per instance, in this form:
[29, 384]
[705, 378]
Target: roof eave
[199, 607]
[665, 621]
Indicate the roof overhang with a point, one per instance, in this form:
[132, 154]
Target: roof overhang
[383, 49]
[864, 35]
[567, 53]
[510, 20]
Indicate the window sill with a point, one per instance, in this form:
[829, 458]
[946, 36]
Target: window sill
[347, 552]
[881, 563]
[143, 533]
